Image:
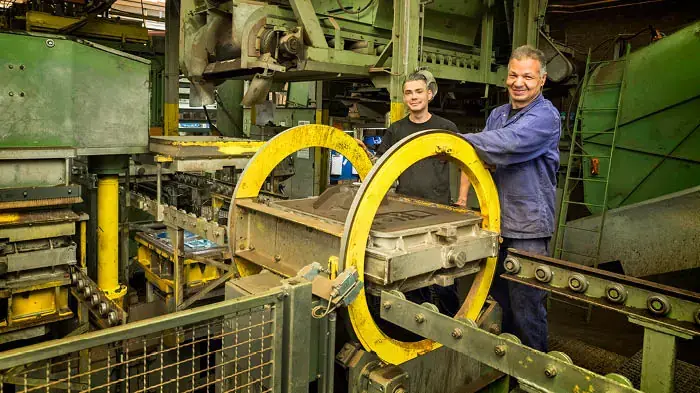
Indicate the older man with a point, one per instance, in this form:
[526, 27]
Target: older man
[521, 145]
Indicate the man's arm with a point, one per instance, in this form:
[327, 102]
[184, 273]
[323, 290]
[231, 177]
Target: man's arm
[464, 185]
[518, 142]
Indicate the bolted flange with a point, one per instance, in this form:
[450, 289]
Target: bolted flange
[543, 273]
[616, 293]
[578, 283]
[512, 265]
[658, 305]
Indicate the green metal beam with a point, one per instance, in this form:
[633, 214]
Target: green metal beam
[306, 16]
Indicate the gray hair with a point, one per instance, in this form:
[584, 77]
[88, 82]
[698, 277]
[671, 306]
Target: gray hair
[416, 76]
[530, 52]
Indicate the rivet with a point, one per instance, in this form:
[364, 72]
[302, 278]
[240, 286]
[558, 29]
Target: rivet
[387, 305]
[21, 67]
[278, 258]
[10, 66]
[11, 94]
[21, 94]
[457, 333]
[419, 318]
[50, 43]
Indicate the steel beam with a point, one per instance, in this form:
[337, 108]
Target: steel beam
[646, 301]
[546, 372]
[404, 58]
[306, 16]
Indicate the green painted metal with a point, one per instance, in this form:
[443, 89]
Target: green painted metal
[657, 147]
[61, 92]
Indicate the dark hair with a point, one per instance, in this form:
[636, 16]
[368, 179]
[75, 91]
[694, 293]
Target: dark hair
[416, 76]
[530, 52]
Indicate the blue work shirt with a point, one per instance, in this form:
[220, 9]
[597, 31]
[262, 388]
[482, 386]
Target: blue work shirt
[525, 153]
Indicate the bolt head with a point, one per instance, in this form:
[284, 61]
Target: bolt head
[500, 350]
[494, 329]
[550, 371]
[50, 43]
[419, 318]
[457, 333]
[387, 305]
[278, 258]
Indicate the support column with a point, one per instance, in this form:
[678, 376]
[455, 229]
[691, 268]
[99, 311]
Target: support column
[404, 57]
[321, 155]
[658, 357]
[108, 237]
[172, 69]
[526, 21]
[177, 239]
[486, 44]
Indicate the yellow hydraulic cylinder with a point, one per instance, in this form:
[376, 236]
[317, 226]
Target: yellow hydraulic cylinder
[108, 236]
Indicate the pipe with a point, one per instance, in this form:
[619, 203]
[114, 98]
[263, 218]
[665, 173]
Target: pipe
[567, 9]
[108, 233]
[323, 383]
[330, 366]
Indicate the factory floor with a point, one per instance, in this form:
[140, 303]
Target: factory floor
[610, 343]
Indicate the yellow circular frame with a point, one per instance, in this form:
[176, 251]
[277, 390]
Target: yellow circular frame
[359, 222]
[377, 181]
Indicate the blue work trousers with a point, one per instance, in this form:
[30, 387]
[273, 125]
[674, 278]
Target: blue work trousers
[524, 308]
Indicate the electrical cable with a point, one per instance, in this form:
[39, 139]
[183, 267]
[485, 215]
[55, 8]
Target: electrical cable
[211, 125]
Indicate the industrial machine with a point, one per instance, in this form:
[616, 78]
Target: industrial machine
[635, 153]
[64, 142]
[323, 284]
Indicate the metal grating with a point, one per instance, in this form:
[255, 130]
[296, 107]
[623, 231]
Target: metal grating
[226, 347]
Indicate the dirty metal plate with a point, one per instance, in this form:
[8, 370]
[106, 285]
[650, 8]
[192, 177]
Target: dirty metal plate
[188, 147]
[394, 215]
[38, 217]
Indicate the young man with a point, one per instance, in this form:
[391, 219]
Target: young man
[521, 145]
[427, 179]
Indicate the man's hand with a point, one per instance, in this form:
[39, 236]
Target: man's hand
[364, 147]
[461, 202]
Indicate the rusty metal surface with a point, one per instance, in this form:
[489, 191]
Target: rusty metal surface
[40, 203]
[395, 214]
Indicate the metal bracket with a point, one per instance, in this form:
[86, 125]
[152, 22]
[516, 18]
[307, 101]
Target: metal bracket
[548, 372]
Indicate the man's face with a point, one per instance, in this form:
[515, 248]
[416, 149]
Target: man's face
[524, 81]
[416, 95]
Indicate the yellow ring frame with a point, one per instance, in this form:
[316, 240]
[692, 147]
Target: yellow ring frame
[374, 188]
[359, 222]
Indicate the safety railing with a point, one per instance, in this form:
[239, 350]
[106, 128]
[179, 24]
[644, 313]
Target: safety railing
[231, 346]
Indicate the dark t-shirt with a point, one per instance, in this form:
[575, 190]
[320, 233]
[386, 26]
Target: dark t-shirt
[427, 179]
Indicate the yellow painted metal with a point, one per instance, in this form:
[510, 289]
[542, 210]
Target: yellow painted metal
[245, 268]
[86, 27]
[361, 215]
[289, 142]
[8, 218]
[196, 273]
[376, 186]
[171, 115]
[38, 303]
[108, 237]
[277, 149]
[83, 244]
[397, 111]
